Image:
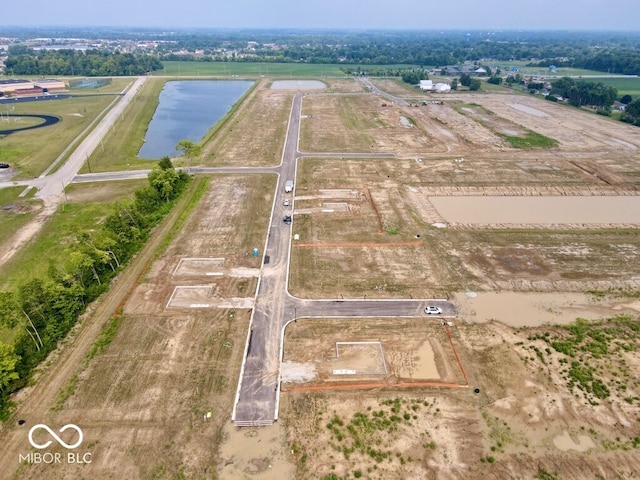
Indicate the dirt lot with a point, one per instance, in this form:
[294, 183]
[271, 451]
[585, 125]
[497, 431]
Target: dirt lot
[519, 418]
[154, 400]
[529, 420]
[256, 132]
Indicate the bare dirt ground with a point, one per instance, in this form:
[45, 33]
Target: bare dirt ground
[518, 419]
[154, 402]
[542, 401]
[256, 132]
[532, 417]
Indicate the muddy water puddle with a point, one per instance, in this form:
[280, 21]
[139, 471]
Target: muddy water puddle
[521, 309]
[256, 453]
[539, 210]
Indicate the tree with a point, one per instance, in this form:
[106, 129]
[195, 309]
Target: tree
[633, 108]
[465, 80]
[189, 150]
[8, 361]
[10, 316]
[164, 182]
[626, 99]
[454, 84]
[474, 85]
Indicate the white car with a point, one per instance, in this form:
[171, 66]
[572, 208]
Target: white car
[433, 310]
[286, 202]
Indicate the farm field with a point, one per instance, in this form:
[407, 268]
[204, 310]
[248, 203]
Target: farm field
[229, 69]
[625, 86]
[512, 387]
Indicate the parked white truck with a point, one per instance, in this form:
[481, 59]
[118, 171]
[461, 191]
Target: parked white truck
[288, 186]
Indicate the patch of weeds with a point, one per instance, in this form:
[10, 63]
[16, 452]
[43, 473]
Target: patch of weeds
[542, 474]
[391, 229]
[529, 140]
[106, 336]
[65, 393]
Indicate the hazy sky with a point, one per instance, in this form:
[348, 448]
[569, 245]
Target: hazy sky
[359, 14]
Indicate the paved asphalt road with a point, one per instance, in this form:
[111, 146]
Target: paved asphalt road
[258, 388]
[259, 385]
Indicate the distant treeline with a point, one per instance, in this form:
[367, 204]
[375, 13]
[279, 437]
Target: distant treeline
[42, 311]
[581, 93]
[615, 52]
[90, 63]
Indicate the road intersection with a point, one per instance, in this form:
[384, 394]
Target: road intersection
[257, 396]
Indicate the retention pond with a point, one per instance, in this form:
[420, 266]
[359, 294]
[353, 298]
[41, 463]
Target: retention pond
[188, 109]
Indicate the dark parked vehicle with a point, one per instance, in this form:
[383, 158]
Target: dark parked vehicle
[287, 219]
[4, 165]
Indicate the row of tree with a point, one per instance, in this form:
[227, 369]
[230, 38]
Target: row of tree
[90, 63]
[43, 310]
[615, 52]
[603, 51]
[583, 92]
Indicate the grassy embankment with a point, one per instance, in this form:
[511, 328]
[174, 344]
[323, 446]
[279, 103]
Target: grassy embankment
[123, 141]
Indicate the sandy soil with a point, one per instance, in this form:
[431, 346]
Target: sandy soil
[156, 402]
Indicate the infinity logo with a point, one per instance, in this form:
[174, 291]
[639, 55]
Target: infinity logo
[57, 438]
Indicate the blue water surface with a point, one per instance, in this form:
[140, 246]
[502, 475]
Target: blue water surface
[187, 111]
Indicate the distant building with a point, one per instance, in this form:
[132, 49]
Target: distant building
[442, 87]
[426, 85]
[50, 85]
[11, 85]
[29, 87]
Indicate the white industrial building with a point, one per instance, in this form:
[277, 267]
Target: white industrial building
[442, 87]
[429, 86]
[426, 85]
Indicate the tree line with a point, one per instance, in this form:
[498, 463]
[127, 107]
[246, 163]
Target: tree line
[615, 52]
[90, 63]
[43, 310]
[583, 92]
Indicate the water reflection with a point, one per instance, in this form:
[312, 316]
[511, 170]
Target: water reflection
[187, 110]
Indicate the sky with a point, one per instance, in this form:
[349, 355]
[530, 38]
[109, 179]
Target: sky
[325, 14]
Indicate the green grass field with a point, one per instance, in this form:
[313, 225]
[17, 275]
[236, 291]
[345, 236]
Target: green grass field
[32, 151]
[123, 141]
[625, 86]
[87, 205]
[229, 69]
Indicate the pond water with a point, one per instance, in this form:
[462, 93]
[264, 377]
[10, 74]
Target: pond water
[188, 109]
[540, 210]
